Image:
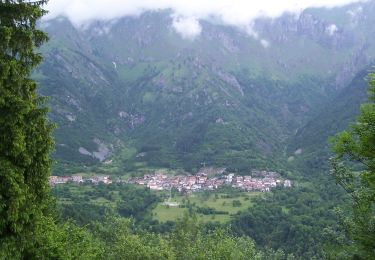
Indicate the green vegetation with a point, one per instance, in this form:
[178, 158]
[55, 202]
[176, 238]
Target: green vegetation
[144, 90]
[175, 115]
[290, 218]
[208, 206]
[86, 203]
[115, 239]
[357, 145]
[293, 220]
[27, 231]
[25, 133]
[96, 208]
[335, 116]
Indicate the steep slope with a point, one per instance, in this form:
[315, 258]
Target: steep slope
[132, 93]
[310, 144]
[82, 92]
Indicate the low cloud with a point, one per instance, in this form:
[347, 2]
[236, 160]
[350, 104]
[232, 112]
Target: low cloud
[187, 27]
[331, 29]
[186, 13]
[355, 12]
[265, 43]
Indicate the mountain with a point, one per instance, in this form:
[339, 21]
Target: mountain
[131, 93]
[310, 143]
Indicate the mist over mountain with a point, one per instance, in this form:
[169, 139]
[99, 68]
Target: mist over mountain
[133, 92]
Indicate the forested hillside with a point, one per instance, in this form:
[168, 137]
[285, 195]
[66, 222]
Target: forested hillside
[313, 139]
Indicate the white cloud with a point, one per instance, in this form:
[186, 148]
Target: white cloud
[187, 27]
[239, 13]
[331, 29]
[353, 13]
[265, 43]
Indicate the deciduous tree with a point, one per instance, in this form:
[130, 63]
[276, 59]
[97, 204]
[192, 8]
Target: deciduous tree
[354, 169]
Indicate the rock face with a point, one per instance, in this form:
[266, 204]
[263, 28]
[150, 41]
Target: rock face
[227, 98]
[103, 151]
[311, 26]
[350, 68]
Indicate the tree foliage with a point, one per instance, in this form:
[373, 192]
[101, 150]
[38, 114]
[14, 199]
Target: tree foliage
[354, 170]
[25, 133]
[187, 241]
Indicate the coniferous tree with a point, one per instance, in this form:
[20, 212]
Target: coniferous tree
[25, 133]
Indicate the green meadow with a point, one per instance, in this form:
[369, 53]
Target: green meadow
[224, 206]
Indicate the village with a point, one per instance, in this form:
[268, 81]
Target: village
[54, 180]
[262, 181]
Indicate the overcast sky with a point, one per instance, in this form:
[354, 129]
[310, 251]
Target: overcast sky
[186, 13]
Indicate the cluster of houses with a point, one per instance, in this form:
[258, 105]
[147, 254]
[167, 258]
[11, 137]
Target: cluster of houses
[54, 180]
[258, 181]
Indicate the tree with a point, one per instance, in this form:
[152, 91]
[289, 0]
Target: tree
[354, 170]
[25, 133]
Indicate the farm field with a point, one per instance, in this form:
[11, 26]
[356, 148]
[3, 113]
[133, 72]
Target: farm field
[225, 206]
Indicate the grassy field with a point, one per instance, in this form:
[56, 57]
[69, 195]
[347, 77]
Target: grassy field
[217, 201]
[218, 206]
